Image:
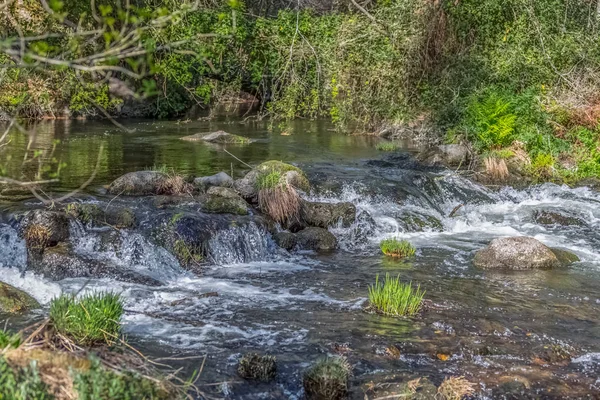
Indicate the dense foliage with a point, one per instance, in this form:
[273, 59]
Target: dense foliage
[491, 73]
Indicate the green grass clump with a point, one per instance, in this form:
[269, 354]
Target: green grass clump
[9, 340]
[269, 180]
[397, 248]
[327, 379]
[93, 319]
[392, 297]
[387, 146]
[98, 383]
[21, 383]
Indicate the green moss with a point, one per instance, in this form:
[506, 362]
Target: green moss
[86, 213]
[225, 205]
[92, 319]
[187, 255]
[269, 180]
[392, 297]
[13, 300]
[397, 248]
[327, 379]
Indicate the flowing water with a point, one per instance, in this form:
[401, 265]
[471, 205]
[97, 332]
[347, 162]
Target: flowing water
[495, 328]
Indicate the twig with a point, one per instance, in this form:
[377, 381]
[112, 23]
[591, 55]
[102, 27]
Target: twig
[249, 166]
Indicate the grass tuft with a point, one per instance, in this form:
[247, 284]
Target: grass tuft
[90, 320]
[37, 236]
[277, 198]
[455, 388]
[387, 146]
[9, 341]
[255, 367]
[397, 248]
[392, 297]
[327, 379]
[496, 168]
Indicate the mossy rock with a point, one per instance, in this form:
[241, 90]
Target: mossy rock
[121, 218]
[556, 218]
[220, 200]
[13, 300]
[89, 214]
[218, 137]
[420, 223]
[565, 257]
[297, 178]
[42, 228]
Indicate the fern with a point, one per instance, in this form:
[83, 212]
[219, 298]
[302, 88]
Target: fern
[492, 121]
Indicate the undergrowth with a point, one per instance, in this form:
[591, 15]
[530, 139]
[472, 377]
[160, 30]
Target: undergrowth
[392, 297]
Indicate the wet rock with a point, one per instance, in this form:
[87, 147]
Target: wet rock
[60, 262]
[139, 183]
[221, 179]
[224, 200]
[88, 214]
[554, 354]
[42, 228]
[259, 368]
[450, 155]
[218, 137]
[13, 300]
[420, 223]
[164, 201]
[121, 218]
[516, 253]
[317, 239]
[324, 215]
[247, 186]
[556, 218]
[565, 257]
[285, 240]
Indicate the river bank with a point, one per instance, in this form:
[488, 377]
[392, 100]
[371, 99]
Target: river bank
[513, 334]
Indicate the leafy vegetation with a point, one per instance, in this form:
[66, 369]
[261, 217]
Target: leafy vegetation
[89, 320]
[9, 340]
[387, 146]
[327, 379]
[21, 383]
[397, 248]
[392, 297]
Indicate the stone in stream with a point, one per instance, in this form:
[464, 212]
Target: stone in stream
[13, 300]
[449, 155]
[218, 137]
[565, 257]
[324, 215]
[139, 183]
[317, 239]
[516, 253]
[286, 240]
[94, 215]
[224, 200]
[556, 218]
[221, 179]
[247, 187]
[42, 228]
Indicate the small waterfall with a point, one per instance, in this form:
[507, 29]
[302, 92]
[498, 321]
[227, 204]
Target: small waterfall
[12, 249]
[241, 244]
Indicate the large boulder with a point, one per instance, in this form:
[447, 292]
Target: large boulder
[449, 155]
[516, 253]
[248, 186]
[221, 200]
[139, 183]
[317, 239]
[221, 179]
[324, 215]
[42, 228]
[13, 300]
[218, 137]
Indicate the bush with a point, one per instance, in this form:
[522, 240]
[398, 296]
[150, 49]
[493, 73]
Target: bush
[387, 146]
[92, 319]
[98, 383]
[397, 248]
[21, 383]
[327, 379]
[393, 297]
[255, 367]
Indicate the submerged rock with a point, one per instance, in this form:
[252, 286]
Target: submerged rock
[42, 228]
[219, 137]
[13, 300]
[324, 215]
[516, 253]
[224, 200]
[248, 186]
[221, 179]
[450, 155]
[556, 218]
[139, 183]
[317, 239]
[565, 257]
[420, 223]
[285, 240]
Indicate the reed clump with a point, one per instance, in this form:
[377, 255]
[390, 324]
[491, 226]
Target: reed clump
[392, 297]
[397, 248]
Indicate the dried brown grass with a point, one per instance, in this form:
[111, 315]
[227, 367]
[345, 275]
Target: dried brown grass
[496, 168]
[455, 388]
[174, 185]
[281, 202]
[37, 236]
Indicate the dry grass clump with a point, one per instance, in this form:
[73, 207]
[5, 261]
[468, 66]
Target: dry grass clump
[327, 379]
[37, 236]
[496, 168]
[277, 198]
[255, 367]
[174, 185]
[455, 388]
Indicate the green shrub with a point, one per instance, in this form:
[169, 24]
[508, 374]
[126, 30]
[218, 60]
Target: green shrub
[21, 383]
[542, 165]
[392, 297]
[327, 379]
[97, 383]
[387, 146]
[9, 340]
[397, 248]
[90, 320]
